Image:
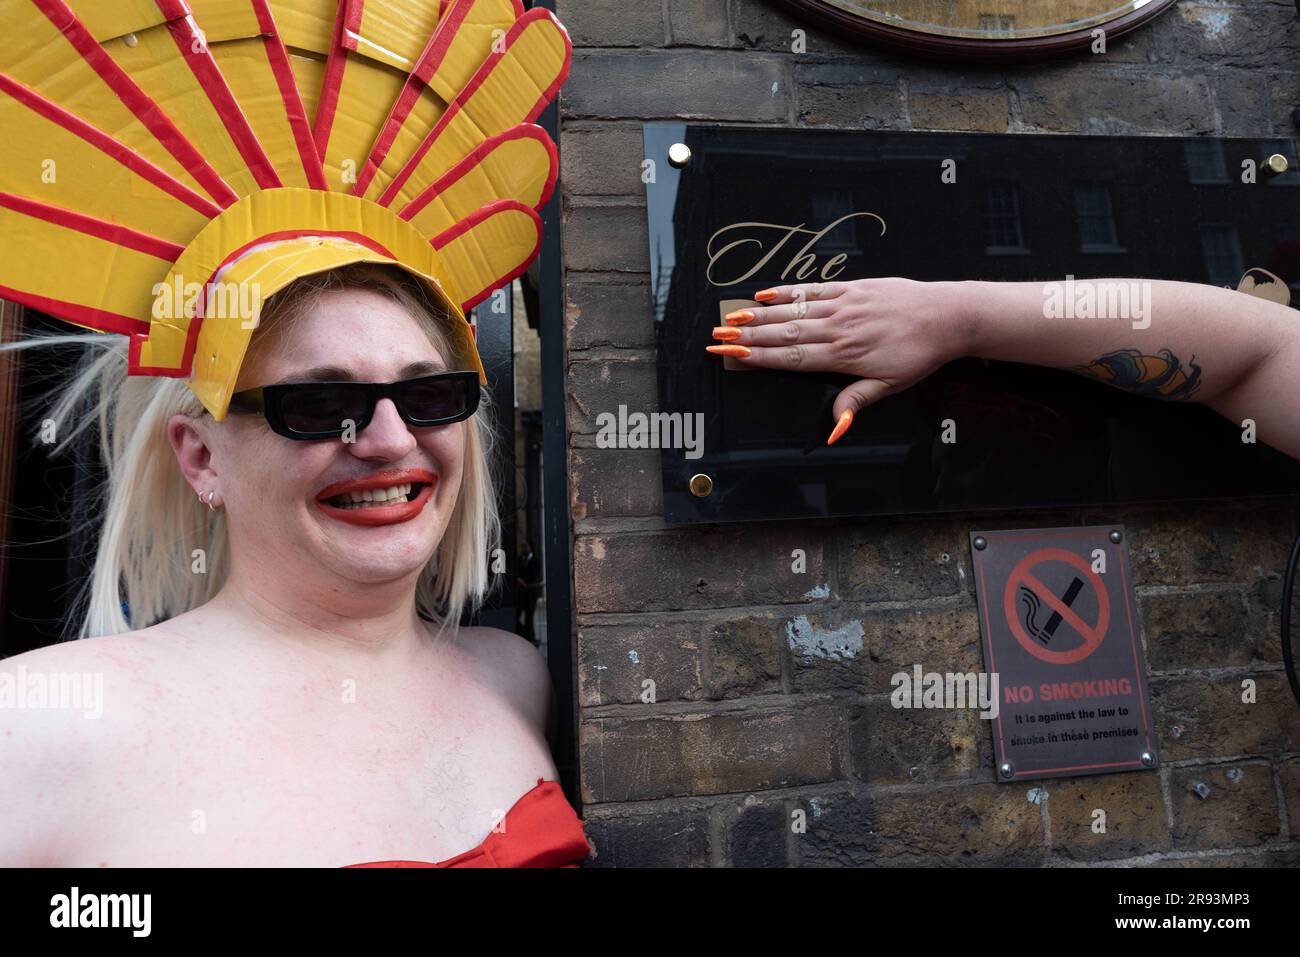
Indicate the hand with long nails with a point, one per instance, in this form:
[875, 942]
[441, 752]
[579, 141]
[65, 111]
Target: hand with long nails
[890, 333]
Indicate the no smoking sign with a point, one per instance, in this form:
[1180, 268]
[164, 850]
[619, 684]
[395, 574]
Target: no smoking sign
[1057, 615]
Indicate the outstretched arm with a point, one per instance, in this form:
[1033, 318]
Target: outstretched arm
[1238, 354]
[1176, 341]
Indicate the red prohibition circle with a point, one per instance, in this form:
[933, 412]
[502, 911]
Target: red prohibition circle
[1092, 636]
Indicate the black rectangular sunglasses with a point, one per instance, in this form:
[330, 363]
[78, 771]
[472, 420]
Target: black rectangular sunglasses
[324, 410]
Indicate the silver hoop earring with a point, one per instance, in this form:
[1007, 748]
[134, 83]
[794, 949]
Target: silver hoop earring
[210, 495]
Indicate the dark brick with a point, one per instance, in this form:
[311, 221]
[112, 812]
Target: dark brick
[1195, 630]
[614, 660]
[597, 387]
[607, 483]
[595, 24]
[1207, 545]
[694, 568]
[1239, 809]
[1199, 717]
[1135, 821]
[1257, 35]
[1264, 621]
[665, 839]
[602, 161]
[848, 95]
[744, 657]
[763, 25]
[758, 836]
[893, 640]
[1290, 777]
[682, 84]
[605, 314]
[893, 560]
[1265, 858]
[701, 23]
[946, 100]
[1284, 89]
[1244, 104]
[692, 753]
[922, 745]
[1081, 99]
[987, 824]
[606, 238]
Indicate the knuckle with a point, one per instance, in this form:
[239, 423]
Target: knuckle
[790, 331]
[794, 356]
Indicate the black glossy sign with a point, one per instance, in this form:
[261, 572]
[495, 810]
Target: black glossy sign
[1060, 633]
[752, 208]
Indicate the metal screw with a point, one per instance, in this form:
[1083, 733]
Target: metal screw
[1201, 789]
[679, 154]
[1115, 535]
[980, 542]
[1007, 770]
[1148, 758]
[701, 485]
[1276, 164]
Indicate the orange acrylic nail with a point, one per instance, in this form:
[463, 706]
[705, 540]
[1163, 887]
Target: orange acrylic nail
[726, 332]
[739, 317]
[763, 295]
[729, 350]
[842, 426]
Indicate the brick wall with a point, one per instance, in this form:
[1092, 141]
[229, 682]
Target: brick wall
[745, 732]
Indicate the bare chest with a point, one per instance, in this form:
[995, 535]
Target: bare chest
[306, 783]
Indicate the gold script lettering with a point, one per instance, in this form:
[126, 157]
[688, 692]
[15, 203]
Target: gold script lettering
[803, 262]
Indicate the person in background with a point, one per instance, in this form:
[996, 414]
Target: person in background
[529, 583]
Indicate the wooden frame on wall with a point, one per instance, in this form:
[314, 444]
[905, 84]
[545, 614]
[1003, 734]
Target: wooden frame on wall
[989, 50]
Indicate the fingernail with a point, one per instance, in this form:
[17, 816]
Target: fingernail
[728, 350]
[763, 295]
[726, 332]
[739, 317]
[842, 426]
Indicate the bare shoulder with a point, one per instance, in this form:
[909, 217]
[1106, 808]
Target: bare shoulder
[65, 711]
[514, 667]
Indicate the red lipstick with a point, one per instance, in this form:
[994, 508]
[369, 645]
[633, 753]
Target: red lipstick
[388, 514]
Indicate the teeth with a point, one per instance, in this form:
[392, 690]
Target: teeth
[369, 498]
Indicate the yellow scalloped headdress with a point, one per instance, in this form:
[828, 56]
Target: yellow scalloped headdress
[160, 157]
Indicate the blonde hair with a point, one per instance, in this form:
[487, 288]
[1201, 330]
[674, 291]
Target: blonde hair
[152, 519]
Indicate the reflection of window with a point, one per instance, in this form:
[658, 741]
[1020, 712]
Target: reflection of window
[1096, 218]
[1221, 248]
[1002, 233]
[997, 23]
[1205, 163]
[1290, 233]
[829, 205]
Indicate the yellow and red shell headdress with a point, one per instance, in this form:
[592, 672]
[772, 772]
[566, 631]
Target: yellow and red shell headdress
[154, 147]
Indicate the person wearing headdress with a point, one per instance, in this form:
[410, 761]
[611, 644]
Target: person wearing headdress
[270, 220]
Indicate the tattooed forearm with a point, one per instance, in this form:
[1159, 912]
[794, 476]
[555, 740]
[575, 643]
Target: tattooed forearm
[1160, 376]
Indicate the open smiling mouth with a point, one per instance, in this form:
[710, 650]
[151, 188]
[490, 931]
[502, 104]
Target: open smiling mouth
[379, 497]
[383, 499]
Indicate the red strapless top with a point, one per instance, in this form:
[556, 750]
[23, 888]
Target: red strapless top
[540, 830]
